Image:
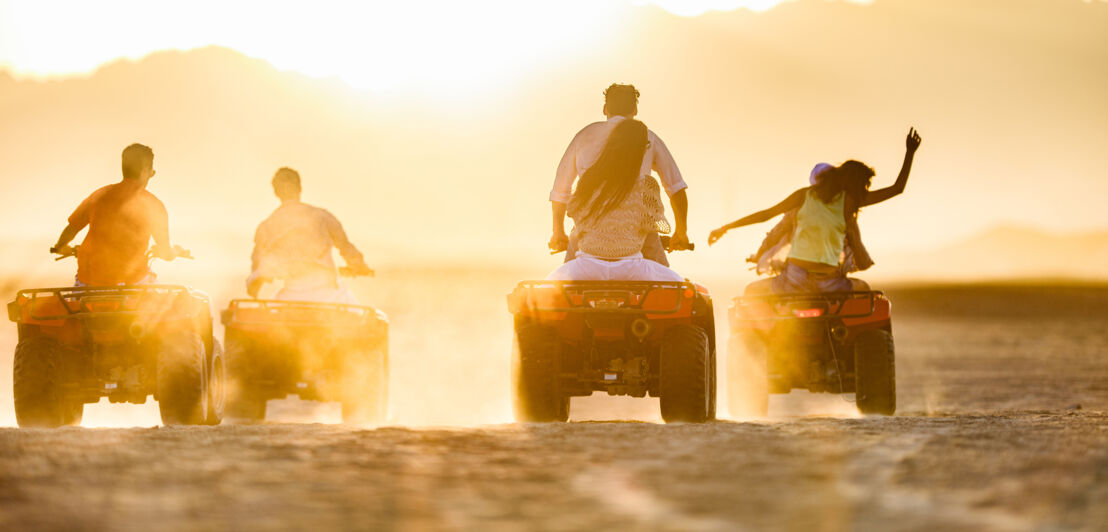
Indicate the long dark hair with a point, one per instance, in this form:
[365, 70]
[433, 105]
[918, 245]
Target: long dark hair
[614, 173]
[852, 177]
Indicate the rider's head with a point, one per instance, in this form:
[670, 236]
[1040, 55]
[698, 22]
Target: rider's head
[286, 184]
[138, 162]
[852, 177]
[621, 100]
[856, 177]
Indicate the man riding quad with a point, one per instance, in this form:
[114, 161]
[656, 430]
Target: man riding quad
[116, 334]
[621, 102]
[120, 218]
[609, 319]
[294, 245]
[313, 339]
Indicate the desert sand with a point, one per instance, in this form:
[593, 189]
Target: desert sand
[1002, 425]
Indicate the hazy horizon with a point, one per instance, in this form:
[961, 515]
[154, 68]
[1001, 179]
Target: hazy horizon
[1007, 95]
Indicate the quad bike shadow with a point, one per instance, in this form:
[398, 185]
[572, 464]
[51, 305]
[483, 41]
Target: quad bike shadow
[317, 351]
[836, 342]
[78, 344]
[634, 338]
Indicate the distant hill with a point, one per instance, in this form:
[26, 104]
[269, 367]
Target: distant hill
[747, 102]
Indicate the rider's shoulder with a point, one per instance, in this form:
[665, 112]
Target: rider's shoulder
[595, 126]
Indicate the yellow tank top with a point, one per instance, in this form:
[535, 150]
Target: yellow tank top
[820, 230]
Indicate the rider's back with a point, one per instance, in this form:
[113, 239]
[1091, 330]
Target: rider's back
[296, 240]
[820, 230]
[121, 219]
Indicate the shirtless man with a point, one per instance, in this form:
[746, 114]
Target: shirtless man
[120, 218]
[294, 245]
[620, 103]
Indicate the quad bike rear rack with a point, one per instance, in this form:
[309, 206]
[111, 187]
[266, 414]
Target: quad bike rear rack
[274, 307]
[597, 290]
[76, 300]
[834, 301]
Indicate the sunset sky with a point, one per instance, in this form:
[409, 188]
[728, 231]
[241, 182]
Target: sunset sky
[472, 104]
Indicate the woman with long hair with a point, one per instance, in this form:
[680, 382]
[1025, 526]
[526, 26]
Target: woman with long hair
[614, 208]
[826, 217]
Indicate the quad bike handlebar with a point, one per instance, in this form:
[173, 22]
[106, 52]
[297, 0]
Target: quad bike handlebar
[665, 245]
[71, 251]
[349, 271]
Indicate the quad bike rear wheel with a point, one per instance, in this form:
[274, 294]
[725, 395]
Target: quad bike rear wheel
[684, 381]
[365, 386]
[875, 373]
[216, 390]
[181, 385]
[242, 402]
[747, 384]
[536, 395]
[38, 401]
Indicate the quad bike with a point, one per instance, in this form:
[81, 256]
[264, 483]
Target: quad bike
[636, 338]
[318, 351]
[78, 344]
[837, 342]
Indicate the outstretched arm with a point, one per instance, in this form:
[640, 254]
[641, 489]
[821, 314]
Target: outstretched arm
[794, 201]
[911, 144]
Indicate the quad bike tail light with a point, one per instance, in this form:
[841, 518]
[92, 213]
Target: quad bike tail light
[808, 312]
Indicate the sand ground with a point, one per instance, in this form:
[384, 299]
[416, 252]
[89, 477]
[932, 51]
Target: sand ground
[1003, 425]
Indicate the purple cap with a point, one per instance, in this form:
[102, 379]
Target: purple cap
[817, 170]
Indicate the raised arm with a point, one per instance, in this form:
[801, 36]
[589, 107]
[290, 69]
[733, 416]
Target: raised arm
[911, 144]
[794, 201]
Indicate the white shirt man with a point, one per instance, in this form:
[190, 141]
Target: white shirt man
[621, 102]
[294, 245]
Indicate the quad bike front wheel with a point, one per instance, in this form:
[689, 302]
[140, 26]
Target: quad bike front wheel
[217, 400]
[747, 384]
[365, 387]
[181, 388]
[536, 395]
[38, 399]
[875, 373]
[684, 381]
[242, 403]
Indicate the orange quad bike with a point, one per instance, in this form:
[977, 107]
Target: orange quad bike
[636, 338]
[78, 344]
[318, 351]
[835, 342]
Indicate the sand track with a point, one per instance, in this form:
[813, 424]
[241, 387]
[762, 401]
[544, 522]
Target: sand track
[1010, 471]
[1002, 426]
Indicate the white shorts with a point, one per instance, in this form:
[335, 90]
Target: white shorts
[631, 268]
[316, 289]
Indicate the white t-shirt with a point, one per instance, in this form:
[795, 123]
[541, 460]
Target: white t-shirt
[585, 149]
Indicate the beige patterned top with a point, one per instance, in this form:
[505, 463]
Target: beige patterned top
[621, 231]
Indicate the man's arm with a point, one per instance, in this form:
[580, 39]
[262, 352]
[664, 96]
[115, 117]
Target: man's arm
[911, 144]
[558, 240]
[561, 193]
[662, 162]
[160, 231]
[354, 259]
[61, 247]
[680, 204]
[76, 222]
